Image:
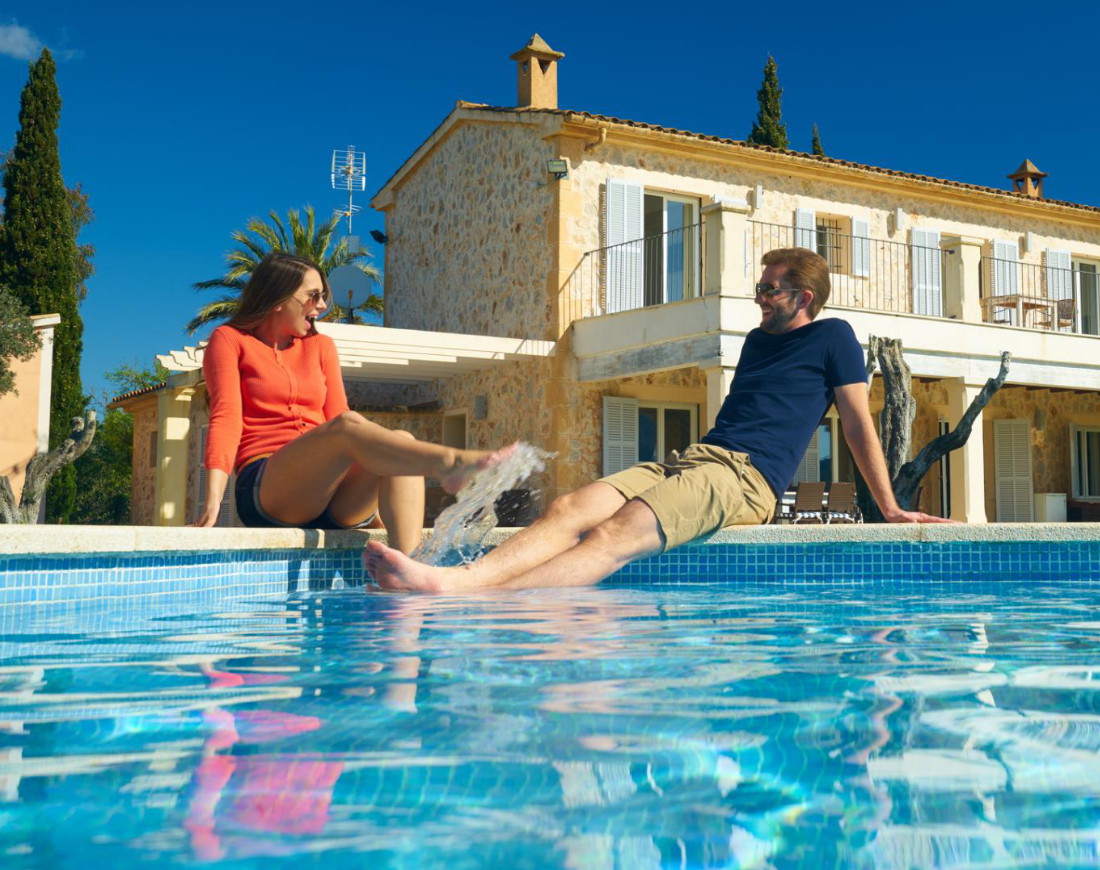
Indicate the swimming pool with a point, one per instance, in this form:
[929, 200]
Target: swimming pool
[214, 708]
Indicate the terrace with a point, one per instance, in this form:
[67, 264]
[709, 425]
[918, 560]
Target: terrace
[929, 276]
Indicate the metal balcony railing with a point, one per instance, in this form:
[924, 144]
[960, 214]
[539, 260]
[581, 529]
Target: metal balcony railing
[651, 271]
[1041, 296]
[866, 273]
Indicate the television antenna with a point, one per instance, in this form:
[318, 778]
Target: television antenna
[349, 172]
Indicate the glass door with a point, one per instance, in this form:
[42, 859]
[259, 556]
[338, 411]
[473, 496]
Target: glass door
[671, 248]
[1087, 278]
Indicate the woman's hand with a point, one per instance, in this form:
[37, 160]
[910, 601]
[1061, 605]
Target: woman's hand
[208, 518]
[216, 482]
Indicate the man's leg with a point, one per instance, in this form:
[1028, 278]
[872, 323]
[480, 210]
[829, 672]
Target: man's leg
[562, 526]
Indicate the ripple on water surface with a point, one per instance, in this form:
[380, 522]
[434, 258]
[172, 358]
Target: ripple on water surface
[706, 726]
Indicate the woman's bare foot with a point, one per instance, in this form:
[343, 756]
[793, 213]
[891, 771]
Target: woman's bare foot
[393, 570]
[468, 463]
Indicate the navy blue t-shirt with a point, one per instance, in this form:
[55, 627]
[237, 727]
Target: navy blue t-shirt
[781, 389]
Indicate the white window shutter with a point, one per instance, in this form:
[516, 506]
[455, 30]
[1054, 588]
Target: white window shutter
[224, 511]
[620, 433]
[1059, 274]
[1006, 268]
[1012, 470]
[861, 247]
[927, 262]
[805, 228]
[809, 469]
[625, 227]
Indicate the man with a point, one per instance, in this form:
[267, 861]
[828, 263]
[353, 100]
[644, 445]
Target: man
[792, 368]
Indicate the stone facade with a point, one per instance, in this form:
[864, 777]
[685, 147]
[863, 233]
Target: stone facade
[468, 245]
[143, 480]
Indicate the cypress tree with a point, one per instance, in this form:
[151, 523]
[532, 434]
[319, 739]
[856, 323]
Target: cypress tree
[768, 128]
[816, 146]
[38, 256]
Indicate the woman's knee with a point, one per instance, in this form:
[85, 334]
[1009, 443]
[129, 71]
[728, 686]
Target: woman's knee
[402, 433]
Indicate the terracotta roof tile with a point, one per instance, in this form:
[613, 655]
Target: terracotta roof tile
[832, 161]
[133, 394]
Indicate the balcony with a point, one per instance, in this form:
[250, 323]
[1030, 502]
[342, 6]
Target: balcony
[1052, 297]
[865, 273]
[927, 276]
[645, 272]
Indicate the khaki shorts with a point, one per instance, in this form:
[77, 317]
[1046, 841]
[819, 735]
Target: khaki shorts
[699, 491]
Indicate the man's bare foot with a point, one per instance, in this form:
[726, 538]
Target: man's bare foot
[393, 570]
[468, 463]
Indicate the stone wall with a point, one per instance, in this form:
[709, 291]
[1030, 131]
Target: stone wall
[468, 249]
[143, 480]
[1051, 414]
[773, 217]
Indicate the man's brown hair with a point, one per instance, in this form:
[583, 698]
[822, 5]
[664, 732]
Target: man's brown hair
[806, 270]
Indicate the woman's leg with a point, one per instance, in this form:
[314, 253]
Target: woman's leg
[399, 502]
[302, 478]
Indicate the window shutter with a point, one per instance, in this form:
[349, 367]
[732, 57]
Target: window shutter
[223, 513]
[620, 433]
[927, 272]
[805, 229]
[1059, 274]
[861, 248]
[1012, 470]
[624, 228]
[1006, 268]
[809, 469]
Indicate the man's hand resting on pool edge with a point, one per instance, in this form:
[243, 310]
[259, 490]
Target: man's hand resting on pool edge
[904, 516]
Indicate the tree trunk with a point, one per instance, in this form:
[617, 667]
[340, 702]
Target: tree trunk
[896, 425]
[41, 468]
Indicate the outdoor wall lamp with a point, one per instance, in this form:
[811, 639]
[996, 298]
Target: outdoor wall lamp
[379, 236]
[558, 167]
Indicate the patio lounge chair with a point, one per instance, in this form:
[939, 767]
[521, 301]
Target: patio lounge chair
[808, 498]
[842, 507]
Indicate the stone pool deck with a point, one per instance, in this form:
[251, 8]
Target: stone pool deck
[47, 540]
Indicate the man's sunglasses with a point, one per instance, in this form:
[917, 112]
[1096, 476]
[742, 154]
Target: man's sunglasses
[770, 291]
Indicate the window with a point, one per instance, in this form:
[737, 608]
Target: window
[833, 242]
[663, 428]
[844, 242]
[671, 248]
[640, 431]
[454, 429]
[1085, 461]
[227, 509]
[1086, 281]
[817, 461]
[652, 251]
[945, 475]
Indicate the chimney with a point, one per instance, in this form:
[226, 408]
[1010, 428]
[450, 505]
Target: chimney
[1028, 180]
[538, 75]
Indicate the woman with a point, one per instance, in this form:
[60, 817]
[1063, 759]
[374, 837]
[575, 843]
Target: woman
[279, 416]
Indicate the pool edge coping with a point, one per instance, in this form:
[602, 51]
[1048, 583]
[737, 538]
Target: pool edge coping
[72, 540]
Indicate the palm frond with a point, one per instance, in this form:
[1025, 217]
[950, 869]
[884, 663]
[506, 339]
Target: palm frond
[302, 234]
[220, 309]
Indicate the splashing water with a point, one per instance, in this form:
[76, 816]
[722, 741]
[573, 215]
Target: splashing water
[461, 529]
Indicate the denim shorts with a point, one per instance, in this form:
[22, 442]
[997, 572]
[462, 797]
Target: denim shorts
[247, 492]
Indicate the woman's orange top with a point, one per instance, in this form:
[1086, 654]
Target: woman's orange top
[262, 398]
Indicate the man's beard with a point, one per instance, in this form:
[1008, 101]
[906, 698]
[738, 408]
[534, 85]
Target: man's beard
[779, 321]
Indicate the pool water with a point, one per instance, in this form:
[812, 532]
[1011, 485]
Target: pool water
[653, 726]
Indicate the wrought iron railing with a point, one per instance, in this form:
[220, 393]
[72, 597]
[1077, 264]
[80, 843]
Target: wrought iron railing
[871, 274]
[1041, 296]
[654, 270]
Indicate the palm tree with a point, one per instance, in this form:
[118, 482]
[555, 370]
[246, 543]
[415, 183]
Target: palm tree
[259, 238]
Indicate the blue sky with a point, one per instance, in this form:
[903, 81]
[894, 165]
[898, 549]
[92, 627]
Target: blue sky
[181, 121]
